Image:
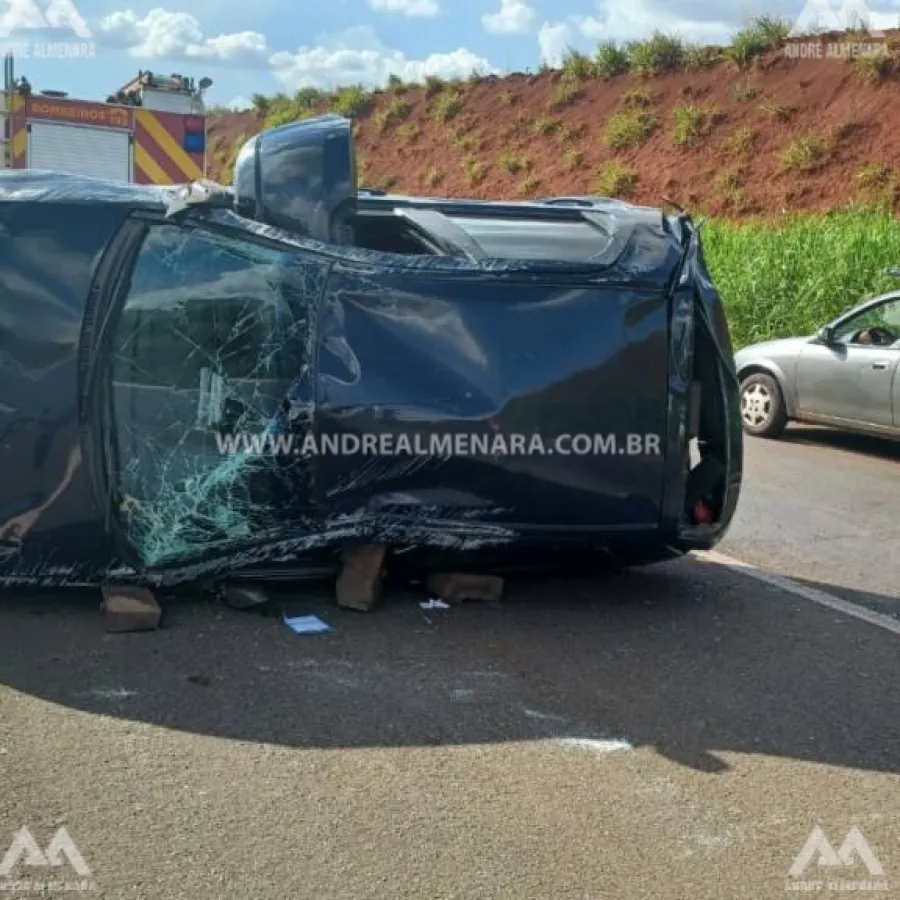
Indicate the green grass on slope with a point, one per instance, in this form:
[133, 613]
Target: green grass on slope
[785, 279]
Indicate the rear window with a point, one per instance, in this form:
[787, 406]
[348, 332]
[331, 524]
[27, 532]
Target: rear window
[576, 241]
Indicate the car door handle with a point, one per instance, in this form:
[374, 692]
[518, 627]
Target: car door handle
[881, 364]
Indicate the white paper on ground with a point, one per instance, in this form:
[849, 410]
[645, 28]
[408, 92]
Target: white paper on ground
[434, 603]
[306, 625]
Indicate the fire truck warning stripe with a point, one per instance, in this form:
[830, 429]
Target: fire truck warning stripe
[20, 143]
[174, 175]
[168, 145]
[154, 172]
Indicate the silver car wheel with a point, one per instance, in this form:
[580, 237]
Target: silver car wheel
[756, 405]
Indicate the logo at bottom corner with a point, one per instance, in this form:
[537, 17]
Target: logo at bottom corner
[60, 867]
[852, 868]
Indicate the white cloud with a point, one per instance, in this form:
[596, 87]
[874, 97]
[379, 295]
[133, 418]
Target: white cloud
[554, 40]
[239, 104]
[414, 8]
[358, 56]
[515, 17]
[178, 35]
[627, 20]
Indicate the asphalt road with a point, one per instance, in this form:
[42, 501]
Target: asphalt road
[823, 508]
[676, 732]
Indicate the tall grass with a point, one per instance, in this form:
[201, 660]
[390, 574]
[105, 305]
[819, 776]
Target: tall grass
[658, 54]
[765, 33]
[611, 60]
[790, 278]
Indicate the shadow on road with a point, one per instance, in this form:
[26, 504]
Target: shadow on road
[691, 659]
[867, 445]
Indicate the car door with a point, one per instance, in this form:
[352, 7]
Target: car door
[852, 378]
[206, 359]
[439, 359]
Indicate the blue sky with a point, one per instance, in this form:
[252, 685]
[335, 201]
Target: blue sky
[271, 45]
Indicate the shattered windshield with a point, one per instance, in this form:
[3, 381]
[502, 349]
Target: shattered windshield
[211, 338]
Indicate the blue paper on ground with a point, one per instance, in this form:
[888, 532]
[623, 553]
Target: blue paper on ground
[306, 625]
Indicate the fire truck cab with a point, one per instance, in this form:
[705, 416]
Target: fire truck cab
[150, 131]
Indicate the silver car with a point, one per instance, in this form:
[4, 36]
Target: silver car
[847, 376]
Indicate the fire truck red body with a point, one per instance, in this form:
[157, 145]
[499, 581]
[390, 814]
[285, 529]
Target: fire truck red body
[152, 131]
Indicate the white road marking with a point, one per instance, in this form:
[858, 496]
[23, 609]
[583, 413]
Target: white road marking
[814, 595]
[109, 693]
[598, 746]
[546, 717]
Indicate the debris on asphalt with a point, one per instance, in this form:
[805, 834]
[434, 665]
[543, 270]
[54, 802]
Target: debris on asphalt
[306, 625]
[358, 586]
[129, 608]
[457, 586]
[243, 597]
[434, 603]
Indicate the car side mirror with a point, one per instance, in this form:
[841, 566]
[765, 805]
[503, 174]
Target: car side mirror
[826, 335]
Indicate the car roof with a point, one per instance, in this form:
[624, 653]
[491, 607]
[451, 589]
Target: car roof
[867, 304]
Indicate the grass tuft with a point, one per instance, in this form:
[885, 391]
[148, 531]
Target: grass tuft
[573, 159]
[611, 60]
[475, 171]
[565, 95]
[544, 126]
[744, 91]
[741, 141]
[777, 110]
[875, 68]
[434, 86]
[446, 107]
[577, 67]
[694, 123]
[805, 154]
[657, 55]
[629, 128]
[617, 181]
[396, 111]
[764, 34]
[637, 98]
[351, 101]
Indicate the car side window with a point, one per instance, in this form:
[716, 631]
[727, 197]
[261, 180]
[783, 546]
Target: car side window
[211, 339]
[877, 327]
[201, 302]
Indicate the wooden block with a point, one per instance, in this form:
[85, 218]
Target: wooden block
[453, 587]
[358, 586]
[129, 608]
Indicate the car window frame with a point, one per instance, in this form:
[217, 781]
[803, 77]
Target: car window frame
[97, 408]
[842, 323]
[204, 233]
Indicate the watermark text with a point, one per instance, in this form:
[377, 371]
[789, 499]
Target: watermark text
[440, 445]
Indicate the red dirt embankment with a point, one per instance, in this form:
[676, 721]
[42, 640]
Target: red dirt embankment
[541, 135]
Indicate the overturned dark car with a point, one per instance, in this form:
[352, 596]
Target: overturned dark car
[210, 383]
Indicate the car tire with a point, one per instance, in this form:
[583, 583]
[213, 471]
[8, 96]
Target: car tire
[763, 413]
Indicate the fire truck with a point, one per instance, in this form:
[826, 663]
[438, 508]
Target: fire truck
[150, 131]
